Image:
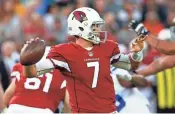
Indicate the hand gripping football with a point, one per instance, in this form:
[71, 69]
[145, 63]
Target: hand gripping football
[32, 52]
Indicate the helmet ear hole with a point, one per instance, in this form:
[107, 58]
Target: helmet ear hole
[81, 28]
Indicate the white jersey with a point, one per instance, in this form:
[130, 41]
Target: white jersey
[127, 99]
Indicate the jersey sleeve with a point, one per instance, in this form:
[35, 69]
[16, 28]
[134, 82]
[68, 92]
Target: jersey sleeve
[118, 59]
[115, 51]
[57, 57]
[16, 72]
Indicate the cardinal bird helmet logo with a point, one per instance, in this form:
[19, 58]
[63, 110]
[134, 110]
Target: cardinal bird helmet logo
[80, 16]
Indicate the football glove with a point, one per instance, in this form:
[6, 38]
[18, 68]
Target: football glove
[139, 28]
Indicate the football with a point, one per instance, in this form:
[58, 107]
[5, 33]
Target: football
[31, 53]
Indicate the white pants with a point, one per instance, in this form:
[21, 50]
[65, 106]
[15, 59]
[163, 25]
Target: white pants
[135, 108]
[21, 109]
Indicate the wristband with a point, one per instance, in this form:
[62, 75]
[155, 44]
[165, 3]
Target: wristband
[137, 56]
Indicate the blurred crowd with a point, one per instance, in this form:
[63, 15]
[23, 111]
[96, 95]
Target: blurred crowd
[21, 20]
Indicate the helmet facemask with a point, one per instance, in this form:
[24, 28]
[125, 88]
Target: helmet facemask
[98, 34]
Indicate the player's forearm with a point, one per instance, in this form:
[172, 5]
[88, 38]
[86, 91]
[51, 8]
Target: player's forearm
[139, 81]
[30, 71]
[151, 69]
[166, 47]
[136, 81]
[8, 94]
[158, 65]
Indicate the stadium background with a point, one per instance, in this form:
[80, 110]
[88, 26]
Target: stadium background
[21, 20]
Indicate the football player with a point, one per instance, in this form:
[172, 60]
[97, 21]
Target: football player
[41, 94]
[86, 62]
[165, 47]
[128, 97]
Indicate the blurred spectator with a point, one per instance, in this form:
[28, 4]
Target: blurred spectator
[125, 36]
[31, 7]
[110, 22]
[99, 6]
[111, 6]
[155, 5]
[53, 25]
[58, 31]
[130, 11]
[10, 55]
[81, 3]
[171, 4]
[10, 26]
[43, 5]
[152, 22]
[20, 10]
[49, 18]
[132, 7]
[35, 27]
[65, 11]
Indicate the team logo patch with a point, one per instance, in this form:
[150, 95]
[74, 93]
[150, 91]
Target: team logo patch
[90, 54]
[80, 16]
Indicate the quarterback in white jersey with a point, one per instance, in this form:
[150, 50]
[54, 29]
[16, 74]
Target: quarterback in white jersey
[128, 100]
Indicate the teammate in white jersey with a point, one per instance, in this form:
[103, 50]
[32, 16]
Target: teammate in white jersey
[128, 100]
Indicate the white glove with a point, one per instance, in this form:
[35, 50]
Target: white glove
[139, 28]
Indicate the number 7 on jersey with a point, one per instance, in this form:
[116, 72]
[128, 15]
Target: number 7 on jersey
[96, 72]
